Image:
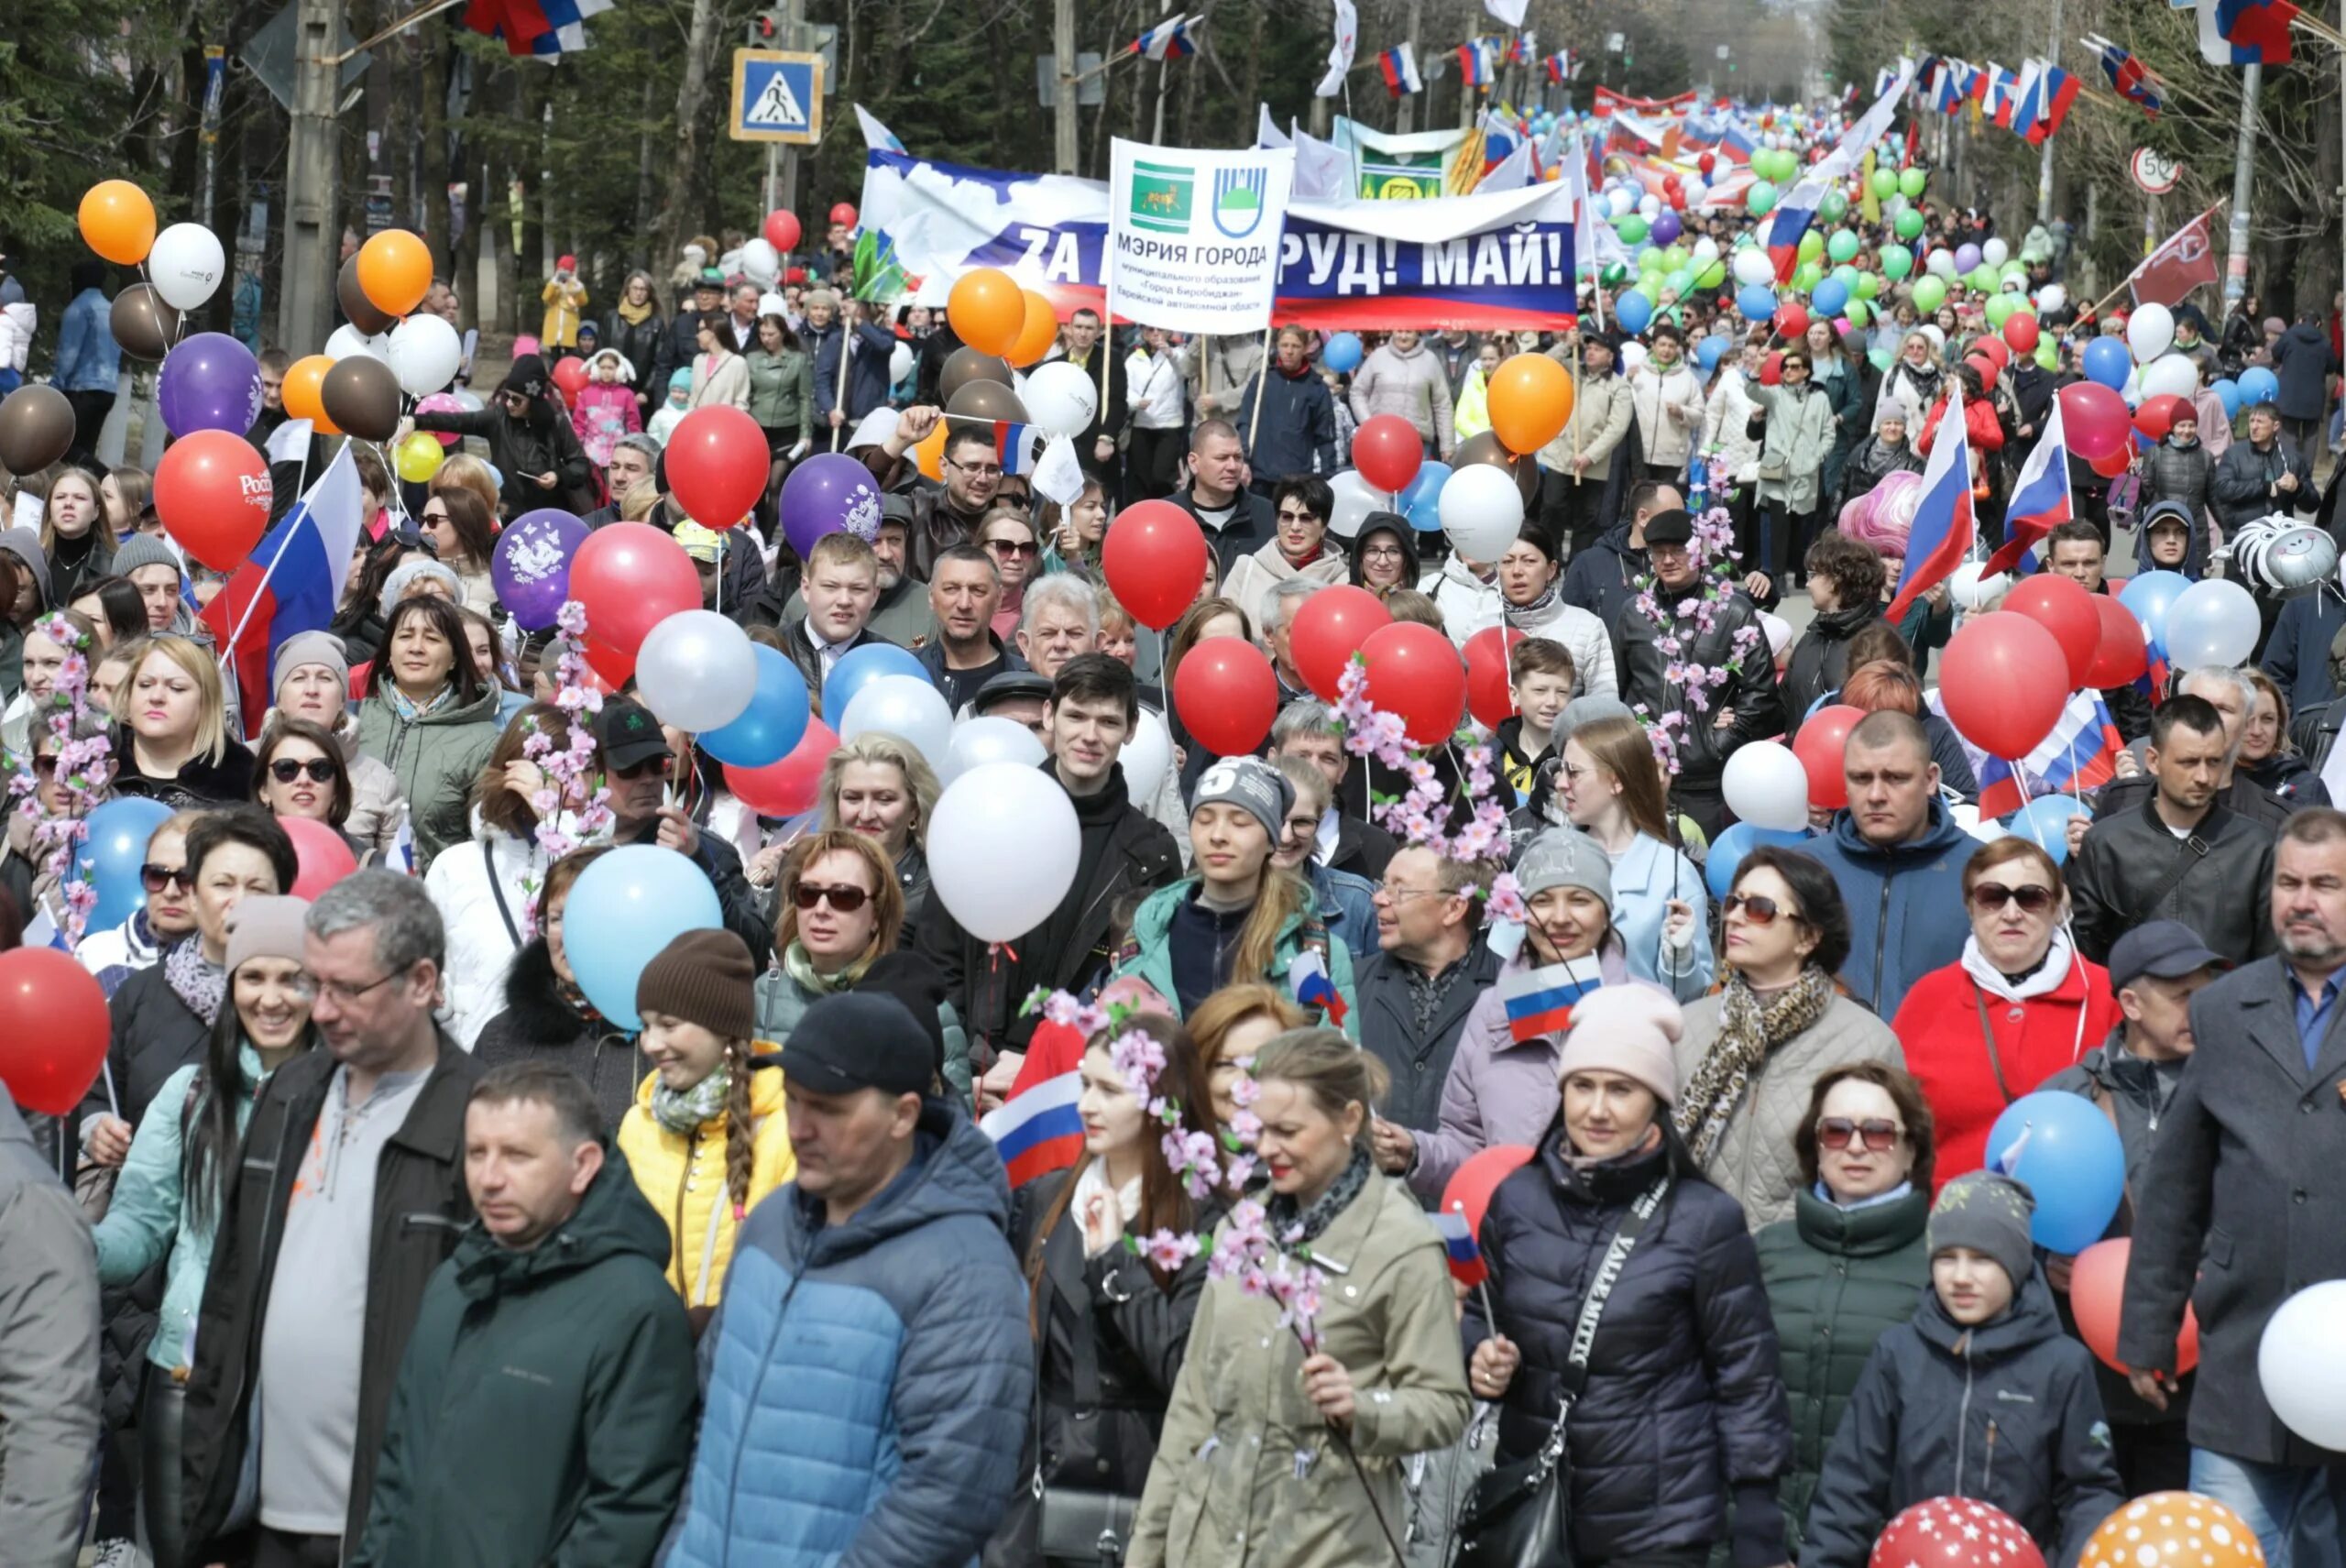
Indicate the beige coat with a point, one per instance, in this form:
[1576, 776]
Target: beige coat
[1667, 437]
[1225, 1489]
[1754, 1161]
[1253, 576]
[1600, 418]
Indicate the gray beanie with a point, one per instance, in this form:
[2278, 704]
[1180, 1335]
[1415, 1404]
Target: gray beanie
[310, 648]
[1251, 783]
[1987, 1214]
[266, 928]
[145, 550]
[24, 543]
[395, 586]
[1565, 856]
[1584, 710]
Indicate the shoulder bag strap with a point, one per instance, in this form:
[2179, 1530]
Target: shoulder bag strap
[2195, 850]
[488, 865]
[1988, 1034]
[1591, 1308]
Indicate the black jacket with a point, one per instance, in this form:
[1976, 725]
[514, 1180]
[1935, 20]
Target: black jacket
[2303, 362]
[539, 1025]
[2126, 872]
[2247, 486]
[644, 346]
[801, 652]
[1251, 527]
[1751, 690]
[1418, 1059]
[521, 449]
[154, 1034]
[1683, 1422]
[1820, 659]
[420, 1209]
[721, 863]
[1871, 462]
[1297, 431]
[1603, 579]
[1362, 848]
[2005, 1412]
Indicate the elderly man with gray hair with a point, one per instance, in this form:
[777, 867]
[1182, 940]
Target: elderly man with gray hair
[350, 1194]
[1279, 608]
[1058, 619]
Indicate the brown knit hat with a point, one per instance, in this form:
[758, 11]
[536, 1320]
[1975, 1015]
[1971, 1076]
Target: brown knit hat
[704, 978]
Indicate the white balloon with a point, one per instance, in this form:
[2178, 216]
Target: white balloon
[1971, 590]
[1356, 499]
[1633, 354]
[1148, 757]
[2051, 298]
[2150, 331]
[1941, 260]
[2211, 622]
[1706, 250]
[467, 400]
[697, 670]
[977, 741]
[1621, 201]
[2301, 1361]
[347, 340]
[424, 354]
[1061, 397]
[1649, 207]
[1766, 785]
[900, 363]
[760, 261]
[905, 706]
[186, 264]
[1004, 845]
[2171, 375]
[1482, 512]
[1752, 269]
[1995, 252]
[772, 304]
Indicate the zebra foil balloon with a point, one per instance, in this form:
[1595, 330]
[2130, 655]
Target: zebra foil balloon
[2282, 557]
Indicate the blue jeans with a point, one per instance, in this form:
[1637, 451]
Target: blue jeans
[2293, 1509]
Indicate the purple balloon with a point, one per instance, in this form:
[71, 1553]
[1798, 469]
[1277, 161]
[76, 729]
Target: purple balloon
[209, 381]
[1666, 227]
[825, 494]
[1966, 257]
[530, 568]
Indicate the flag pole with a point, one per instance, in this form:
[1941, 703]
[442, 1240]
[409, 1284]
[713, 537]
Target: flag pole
[1261, 389]
[2095, 309]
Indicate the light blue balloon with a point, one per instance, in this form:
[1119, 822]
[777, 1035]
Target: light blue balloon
[2045, 822]
[1634, 312]
[1708, 352]
[1730, 847]
[769, 728]
[859, 667]
[2106, 361]
[1829, 296]
[1756, 300]
[2228, 391]
[1341, 354]
[2072, 1160]
[1421, 502]
[111, 858]
[623, 911]
[2258, 385]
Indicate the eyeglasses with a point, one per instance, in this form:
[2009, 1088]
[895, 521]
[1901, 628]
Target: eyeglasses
[343, 993]
[982, 470]
[1757, 908]
[1016, 500]
[843, 900]
[1990, 896]
[1391, 893]
[321, 770]
[155, 878]
[1286, 516]
[430, 516]
[1835, 1133]
[47, 765]
[656, 767]
[1008, 547]
[1382, 553]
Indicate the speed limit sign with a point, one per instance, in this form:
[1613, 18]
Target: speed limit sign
[2154, 171]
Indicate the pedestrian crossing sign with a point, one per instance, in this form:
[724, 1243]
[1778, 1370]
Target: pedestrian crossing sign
[777, 96]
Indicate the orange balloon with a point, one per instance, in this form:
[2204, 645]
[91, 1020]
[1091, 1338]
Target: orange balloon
[1531, 402]
[930, 452]
[987, 309]
[1034, 338]
[395, 272]
[304, 400]
[2172, 1529]
[118, 222]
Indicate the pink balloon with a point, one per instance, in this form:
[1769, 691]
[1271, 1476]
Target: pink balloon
[442, 402]
[321, 854]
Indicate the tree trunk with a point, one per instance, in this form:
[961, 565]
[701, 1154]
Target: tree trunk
[692, 97]
[431, 160]
[639, 252]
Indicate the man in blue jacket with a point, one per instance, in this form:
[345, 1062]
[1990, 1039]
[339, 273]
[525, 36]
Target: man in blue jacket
[865, 1385]
[1898, 859]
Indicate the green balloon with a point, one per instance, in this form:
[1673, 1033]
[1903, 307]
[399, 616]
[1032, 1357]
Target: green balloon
[1848, 276]
[1885, 182]
[1834, 207]
[1910, 224]
[1866, 286]
[1930, 292]
[1675, 256]
[1614, 274]
[1812, 245]
[1842, 246]
[1649, 260]
[1879, 358]
[1808, 276]
[2047, 356]
[1911, 183]
[1711, 277]
[1760, 200]
[1896, 262]
[1633, 229]
[2012, 269]
[1999, 310]
[1679, 281]
[1857, 312]
[1982, 279]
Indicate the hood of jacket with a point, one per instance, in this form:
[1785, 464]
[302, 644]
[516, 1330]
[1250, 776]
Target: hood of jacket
[612, 1220]
[1874, 1231]
[956, 1171]
[2030, 1321]
[1412, 565]
[534, 995]
[1943, 834]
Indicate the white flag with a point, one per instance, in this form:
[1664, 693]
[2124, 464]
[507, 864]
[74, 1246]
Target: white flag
[1324, 172]
[1507, 11]
[289, 442]
[1266, 130]
[1058, 475]
[1339, 53]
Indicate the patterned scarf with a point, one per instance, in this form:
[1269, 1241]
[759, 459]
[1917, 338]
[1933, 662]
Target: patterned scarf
[682, 1111]
[1748, 1030]
[1539, 610]
[799, 965]
[408, 712]
[1292, 1227]
[201, 984]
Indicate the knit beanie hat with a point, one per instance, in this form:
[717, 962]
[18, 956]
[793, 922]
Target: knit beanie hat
[680, 381]
[528, 378]
[24, 543]
[406, 571]
[1987, 1214]
[704, 978]
[310, 648]
[145, 550]
[1565, 856]
[1252, 785]
[1630, 1029]
[266, 927]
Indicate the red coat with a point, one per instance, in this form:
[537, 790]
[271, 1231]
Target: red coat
[1938, 1026]
[1980, 423]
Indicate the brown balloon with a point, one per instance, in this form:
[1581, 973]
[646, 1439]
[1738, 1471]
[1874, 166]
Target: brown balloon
[356, 305]
[1486, 448]
[964, 366]
[362, 397]
[35, 428]
[144, 327]
[987, 400]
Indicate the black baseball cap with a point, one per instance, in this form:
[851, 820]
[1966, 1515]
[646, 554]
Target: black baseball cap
[628, 735]
[1673, 527]
[852, 1040]
[2164, 949]
[1009, 686]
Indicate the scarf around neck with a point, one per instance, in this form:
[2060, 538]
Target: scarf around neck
[1292, 1226]
[408, 711]
[1524, 616]
[682, 1111]
[2043, 981]
[799, 965]
[197, 981]
[634, 315]
[1749, 1029]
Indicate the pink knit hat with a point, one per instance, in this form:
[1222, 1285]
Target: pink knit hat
[1630, 1029]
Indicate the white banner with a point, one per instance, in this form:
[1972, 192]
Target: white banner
[1193, 237]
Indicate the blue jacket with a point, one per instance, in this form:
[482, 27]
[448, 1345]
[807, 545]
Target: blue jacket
[1906, 914]
[1648, 874]
[2298, 653]
[87, 358]
[867, 375]
[1347, 907]
[865, 1389]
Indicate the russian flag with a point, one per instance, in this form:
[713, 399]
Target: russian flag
[1790, 219]
[2129, 78]
[2257, 30]
[2080, 754]
[1466, 1265]
[2040, 499]
[1540, 1001]
[1474, 63]
[1307, 976]
[291, 584]
[2048, 103]
[1942, 532]
[1017, 447]
[1167, 38]
[1559, 67]
[1400, 69]
[1039, 1131]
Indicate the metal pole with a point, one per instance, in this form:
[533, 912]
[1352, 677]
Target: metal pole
[1164, 80]
[783, 190]
[772, 190]
[1405, 117]
[214, 55]
[2044, 163]
[2251, 78]
[306, 299]
[1063, 103]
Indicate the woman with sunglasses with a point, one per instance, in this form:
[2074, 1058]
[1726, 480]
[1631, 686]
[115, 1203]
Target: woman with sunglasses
[463, 536]
[173, 744]
[1851, 1263]
[1006, 535]
[166, 914]
[1752, 1049]
[36, 830]
[428, 718]
[1302, 503]
[177, 1174]
[299, 772]
[1799, 431]
[312, 675]
[2021, 1005]
[530, 442]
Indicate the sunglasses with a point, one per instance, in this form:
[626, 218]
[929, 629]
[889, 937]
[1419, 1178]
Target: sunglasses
[321, 770]
[1880, 1137]
[1757, 908]
[1005, 547]
[843, 900]
[155, 878]
[1990, 896]
[658, 767]
[1298, 517]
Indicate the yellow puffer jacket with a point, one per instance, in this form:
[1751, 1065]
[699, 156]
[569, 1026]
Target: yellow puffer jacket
[683, 1179]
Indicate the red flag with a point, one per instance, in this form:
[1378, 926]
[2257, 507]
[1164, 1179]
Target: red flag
[2186, 261]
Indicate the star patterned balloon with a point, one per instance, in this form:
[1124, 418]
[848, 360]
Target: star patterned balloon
[1956, 1532]
[2172, 1529]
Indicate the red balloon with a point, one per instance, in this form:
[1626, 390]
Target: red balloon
[789, 786]
[1490, 694]
[1413, 671]
[2097, 1286]
[1329, 629]
[630, 577]
[2156, 416]
[844, 212]
[1772, 369]
[323, 855]
[2001, 681]
[1824, 736]
[1790, 321]
[2119, 655]
[2021, 332]
[54, 1029]
[1982, 366]
[1708, 162]
[716, 466]
[1154, 556]
[1388, 452]
[1955, 1533]
[211, 491]
[782, 229]
[2117, 463]
[1995, 350]
[570, 378]
[2061, 606]
[1227, 694]
[2094, 420]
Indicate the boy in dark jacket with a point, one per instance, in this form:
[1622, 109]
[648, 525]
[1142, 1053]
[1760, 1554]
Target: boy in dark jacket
[2178, 469]
[1980, 1395]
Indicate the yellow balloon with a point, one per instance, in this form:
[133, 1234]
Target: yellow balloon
[419, 457]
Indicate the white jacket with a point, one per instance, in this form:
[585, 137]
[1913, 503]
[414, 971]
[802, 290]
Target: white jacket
[1154, 386]
[1469, 605]
[1726, 422]
[1652, 393]
[16, 322]
[466, 881]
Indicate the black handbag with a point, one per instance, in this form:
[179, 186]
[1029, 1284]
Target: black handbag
[1084, 1526]
[1516, 1517]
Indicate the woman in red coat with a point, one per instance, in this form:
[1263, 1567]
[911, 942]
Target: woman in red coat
[2019, 1006]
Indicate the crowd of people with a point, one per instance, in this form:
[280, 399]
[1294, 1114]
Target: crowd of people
[376, 1241]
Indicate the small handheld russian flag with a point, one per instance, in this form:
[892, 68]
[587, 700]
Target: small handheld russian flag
[1540, 1001]
[1399, 67]
[1466, 1265]
[1039, 1131]
[1307, 976]
[1018, 448]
